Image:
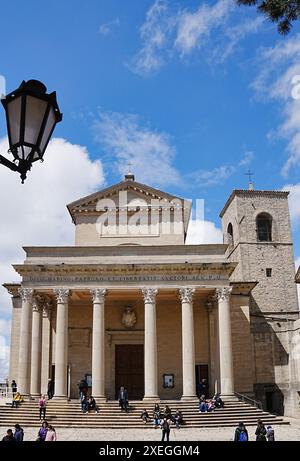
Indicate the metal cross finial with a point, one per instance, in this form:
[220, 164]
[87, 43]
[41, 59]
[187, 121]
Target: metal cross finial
[130, 164]
[250, 186]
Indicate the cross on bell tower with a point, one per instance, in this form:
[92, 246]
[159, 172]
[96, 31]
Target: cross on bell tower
[250, 184]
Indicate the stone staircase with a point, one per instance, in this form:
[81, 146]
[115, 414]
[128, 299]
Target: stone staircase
[69, 414]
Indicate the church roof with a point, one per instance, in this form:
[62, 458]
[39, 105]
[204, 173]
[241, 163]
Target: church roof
[89, 203]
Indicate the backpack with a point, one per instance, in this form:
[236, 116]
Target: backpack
[165, 425]
[243, 437]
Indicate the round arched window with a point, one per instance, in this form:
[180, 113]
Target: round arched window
[264, 227]
[230, 234]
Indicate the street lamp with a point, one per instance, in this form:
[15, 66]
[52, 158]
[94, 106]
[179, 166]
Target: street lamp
[31, 116]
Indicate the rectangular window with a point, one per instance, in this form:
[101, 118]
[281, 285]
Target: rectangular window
[268, 272]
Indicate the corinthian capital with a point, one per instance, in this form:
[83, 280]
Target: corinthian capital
[26, 294]
[186, 294]
[149, 295]
[223, 294]
[62, 295]
[98, 295]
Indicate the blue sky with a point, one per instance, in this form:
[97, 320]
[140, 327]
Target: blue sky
[192, 93]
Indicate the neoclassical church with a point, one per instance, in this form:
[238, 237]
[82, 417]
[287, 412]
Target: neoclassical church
[132, 304]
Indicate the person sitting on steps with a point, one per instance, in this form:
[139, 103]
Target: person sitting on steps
[92, 404]
[17, 400]
[145, 416]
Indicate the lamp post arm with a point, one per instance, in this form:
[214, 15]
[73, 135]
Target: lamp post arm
[12, 166]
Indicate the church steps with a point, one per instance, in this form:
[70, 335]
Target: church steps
[69, 414]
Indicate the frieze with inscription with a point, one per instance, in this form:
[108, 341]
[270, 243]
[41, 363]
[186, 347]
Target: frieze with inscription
[126, 278]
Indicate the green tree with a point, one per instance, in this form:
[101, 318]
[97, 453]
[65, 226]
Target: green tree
[283, 12]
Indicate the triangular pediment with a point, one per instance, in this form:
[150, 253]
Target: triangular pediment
[130, 193]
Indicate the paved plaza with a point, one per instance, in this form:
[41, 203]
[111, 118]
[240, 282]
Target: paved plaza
[282, 433]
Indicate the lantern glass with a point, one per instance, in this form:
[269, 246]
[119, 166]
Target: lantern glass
[50, 124]
[14, 117]
[34, 115]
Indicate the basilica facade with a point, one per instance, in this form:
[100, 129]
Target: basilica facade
[132, 304]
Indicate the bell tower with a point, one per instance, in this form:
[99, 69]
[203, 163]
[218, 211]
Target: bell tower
[256, 226]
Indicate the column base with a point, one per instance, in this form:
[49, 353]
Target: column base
[227, 396]
[100, 398]
[192, 398]
[60, 397]
[151, 398]
[35, 396]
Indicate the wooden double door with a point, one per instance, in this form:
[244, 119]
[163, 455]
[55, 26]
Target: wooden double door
[129, 369]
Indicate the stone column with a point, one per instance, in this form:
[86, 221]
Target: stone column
[225, 343]
[23, 381]
[188, 344]
[213, 383]
[46, 329]
[35, 381]
[61, 343]
[98, 348]
[150, 344]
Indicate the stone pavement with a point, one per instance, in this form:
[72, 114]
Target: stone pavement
[282, 433]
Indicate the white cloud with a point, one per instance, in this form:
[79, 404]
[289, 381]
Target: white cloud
[206, 178]
[151, 153]
[154, 36]
[233, 36]
[201, 231]
[294, 202]
[247, 158]
[4, 357]
[193, 27]
[35, 213]
[170, 31]
[106, 28]
[278, 66]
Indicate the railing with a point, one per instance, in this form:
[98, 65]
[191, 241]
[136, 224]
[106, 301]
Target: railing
[245, 398]
[6, 392]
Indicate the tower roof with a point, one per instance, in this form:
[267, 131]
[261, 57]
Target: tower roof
[252, 193]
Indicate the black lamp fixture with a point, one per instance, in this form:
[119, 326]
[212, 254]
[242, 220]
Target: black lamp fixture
[31, 116]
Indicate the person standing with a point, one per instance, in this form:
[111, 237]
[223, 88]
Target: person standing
[19, 433]
[51, 434]
[123, 398]
[241, 433]
[270, 434]
[165, 427]
[260, 432]
[43, 432]
[9, 437]
[50, 390]
[42, 406]
[13, 387]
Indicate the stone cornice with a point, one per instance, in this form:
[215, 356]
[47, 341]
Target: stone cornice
[242, 288]
[124, 269]
[253, 193]
[213, 249]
